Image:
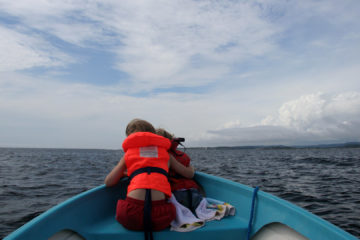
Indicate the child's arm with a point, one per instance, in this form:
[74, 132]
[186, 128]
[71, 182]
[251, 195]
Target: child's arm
[187, 172]
[118, 172]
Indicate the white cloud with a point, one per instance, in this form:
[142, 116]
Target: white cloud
[321, 114]
[232, 124]
[313, 118]
[22, 51]
[60, 114]
[162, 44]
[167, 43]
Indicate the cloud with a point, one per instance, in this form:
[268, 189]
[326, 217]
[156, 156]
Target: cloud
[319, 113]
[184, 43]
[161, 44]
[313, 118]
[255, 135]
[158, 43]
[43, 112]
[23, 51]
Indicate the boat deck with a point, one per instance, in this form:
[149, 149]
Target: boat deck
[228, 228]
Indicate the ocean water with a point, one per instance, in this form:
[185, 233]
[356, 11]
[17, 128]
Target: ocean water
[324, 181]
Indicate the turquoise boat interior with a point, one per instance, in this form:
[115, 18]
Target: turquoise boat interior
[91, 215]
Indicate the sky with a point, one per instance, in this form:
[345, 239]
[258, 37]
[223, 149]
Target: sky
[219, 73]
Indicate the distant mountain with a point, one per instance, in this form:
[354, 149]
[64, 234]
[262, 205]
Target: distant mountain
[335, 145]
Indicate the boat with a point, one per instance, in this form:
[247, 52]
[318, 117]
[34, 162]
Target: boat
[259, 216]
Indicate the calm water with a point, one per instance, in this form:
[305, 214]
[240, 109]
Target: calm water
[324, 181]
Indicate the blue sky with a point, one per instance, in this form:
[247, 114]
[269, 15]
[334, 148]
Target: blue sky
[74, 73]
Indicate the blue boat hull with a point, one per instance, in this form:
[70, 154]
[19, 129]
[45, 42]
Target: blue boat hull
[92, 215]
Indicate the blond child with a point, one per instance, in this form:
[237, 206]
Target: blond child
[147, 162]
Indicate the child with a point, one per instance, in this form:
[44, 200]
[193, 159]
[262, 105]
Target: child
[186, 191]
[147, 163]
[192, 208]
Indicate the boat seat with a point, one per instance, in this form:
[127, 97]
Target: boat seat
[230, 227]
[66, 234]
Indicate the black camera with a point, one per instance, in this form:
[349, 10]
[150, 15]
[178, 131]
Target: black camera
[179, 140]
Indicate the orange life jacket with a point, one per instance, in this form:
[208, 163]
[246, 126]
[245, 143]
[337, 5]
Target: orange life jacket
[146, 158]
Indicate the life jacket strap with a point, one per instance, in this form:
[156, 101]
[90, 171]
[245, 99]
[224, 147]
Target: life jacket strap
[147, 216]
[149, 170]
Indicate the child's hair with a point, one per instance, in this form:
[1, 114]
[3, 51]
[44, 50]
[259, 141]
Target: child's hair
[139, 125]
[164, 133]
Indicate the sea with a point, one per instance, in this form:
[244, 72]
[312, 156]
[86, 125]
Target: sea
[325, 181]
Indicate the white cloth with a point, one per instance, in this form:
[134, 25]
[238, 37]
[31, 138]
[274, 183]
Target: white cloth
[209, 209]
[203, 212]
[185, 220]
[223, 209]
